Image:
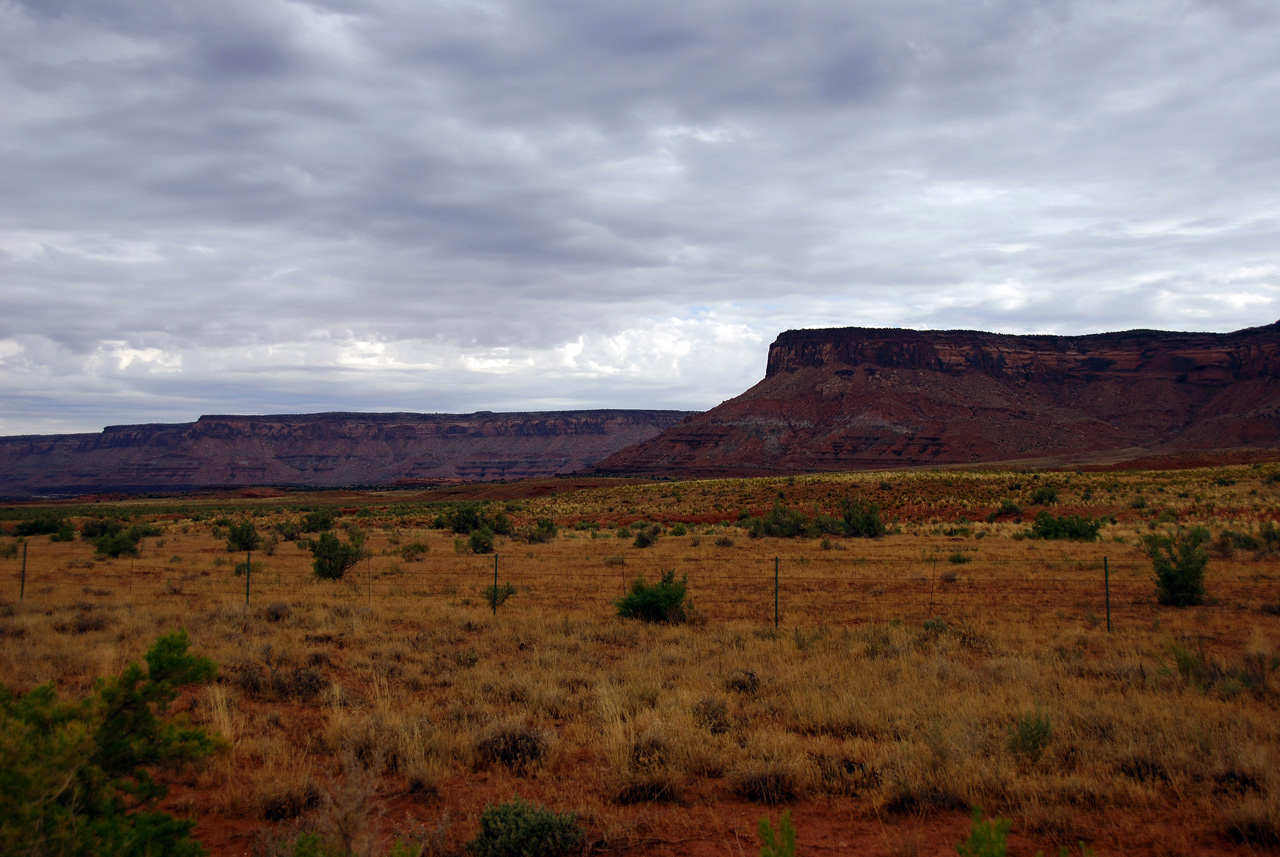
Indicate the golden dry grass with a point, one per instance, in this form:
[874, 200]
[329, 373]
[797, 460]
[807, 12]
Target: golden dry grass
[893, 687]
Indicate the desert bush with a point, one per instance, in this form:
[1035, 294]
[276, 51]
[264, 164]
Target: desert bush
[679, 529]
[768, 781]
[466, 518]
[481, 540]
[544, 530]
[959, 558]
[743, 681]
[645, 539]
[663, 601]
[121, 543]
[986, 838]
[9, 550]
[331, 557]
[77, 777]
[40, 524]
[781, 522]
[712, 714]
[95, 528]
[723, 542]
[288, 530]
[496, 596]
[1071, 527]
[242, 537]
[521, 829]
[1030, 735]
[276, 611]
[1179, 562]
[415, 551]
[861, 519]
[516, 747]
[779, 843]
[1045, 495]
[318, 520]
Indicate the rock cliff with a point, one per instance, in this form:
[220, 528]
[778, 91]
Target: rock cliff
[320, 450]
[859, 398]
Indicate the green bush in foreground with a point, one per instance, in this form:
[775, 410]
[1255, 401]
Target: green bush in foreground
[75, 777]
[779, 843]
[518, 828]
[331, 558]
[1179, 562]
[986, 838]
[663, 601]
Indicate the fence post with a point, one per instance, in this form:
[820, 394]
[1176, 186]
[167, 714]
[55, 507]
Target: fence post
[495, 584]
[1106, 583]
[22, 586]
[775, 593]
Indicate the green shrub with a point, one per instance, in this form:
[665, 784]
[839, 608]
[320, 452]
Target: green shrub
[543, 531]
[861, 519]
[415, 551]
[781, 522]
[121, 543]
[1030, 735]
[1045, 495]
[986, 838]
[663, 601]
[481, 540]
[781, 843]
[1179, 562]
[42, 524]
[1071, 527]
[496, 596]
[959, 558]
[77, 778]
[645, 539]
[521, 829]
[318, 520]
[679, 529]
[331, 558]
[95, 528]
[242, 537]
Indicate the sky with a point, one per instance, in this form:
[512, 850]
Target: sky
[263, 207]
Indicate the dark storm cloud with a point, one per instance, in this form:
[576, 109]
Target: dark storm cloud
[281, 206]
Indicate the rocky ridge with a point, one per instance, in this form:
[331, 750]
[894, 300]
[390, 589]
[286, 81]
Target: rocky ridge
[320, 451]
[860, 398]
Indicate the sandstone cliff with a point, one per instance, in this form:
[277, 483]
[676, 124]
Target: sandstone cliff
[858, 398]
[320, 450]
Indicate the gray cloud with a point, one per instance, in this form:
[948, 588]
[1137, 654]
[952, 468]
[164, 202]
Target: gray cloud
[281, 206]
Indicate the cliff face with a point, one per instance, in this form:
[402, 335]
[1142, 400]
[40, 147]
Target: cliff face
[320, 450]
[852, 398]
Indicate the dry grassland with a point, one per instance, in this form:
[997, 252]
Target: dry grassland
[946, 665]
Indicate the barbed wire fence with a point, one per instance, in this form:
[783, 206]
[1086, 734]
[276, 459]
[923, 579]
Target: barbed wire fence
[799, 589]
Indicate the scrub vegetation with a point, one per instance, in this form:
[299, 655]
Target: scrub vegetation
[928, 650]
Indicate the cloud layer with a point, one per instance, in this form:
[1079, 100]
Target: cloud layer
[255, 206]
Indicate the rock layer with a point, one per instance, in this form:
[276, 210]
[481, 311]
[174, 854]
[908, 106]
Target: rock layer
[859, 398]
[320, 450]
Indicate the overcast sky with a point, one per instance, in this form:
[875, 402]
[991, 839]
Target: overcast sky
[254, 206]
